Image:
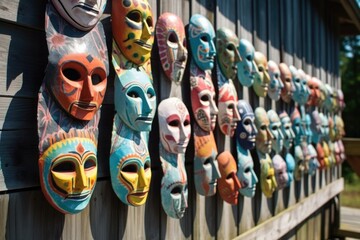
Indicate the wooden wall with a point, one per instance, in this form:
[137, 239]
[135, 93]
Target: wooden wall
[299, 32]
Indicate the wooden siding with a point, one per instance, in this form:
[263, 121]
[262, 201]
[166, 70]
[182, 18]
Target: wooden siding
[298, 32]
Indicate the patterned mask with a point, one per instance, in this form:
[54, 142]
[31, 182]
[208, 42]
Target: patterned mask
[206, 168]
[68, 170]
[170, 35]
[314, 97]
[82, 14]
[246, 130]
[203, 102]
[174, 125]
[135, 100]
[286, 78]
[264, 137]
[228, 184]
[201, 36]
[227, 53]
[262, 78]
[228, 111]
[246, 173]
[275, 129]
[246, 67]
[276, 84]
[132, 28]
[286, 128]
[267, 177]
[281, 173]
[290, 166]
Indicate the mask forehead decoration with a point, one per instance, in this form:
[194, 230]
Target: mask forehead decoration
[201, 38]
[170, 35]
[228, 184]
[281, 173]
[82, 14]
[246, 173]
[246, 130]
[286, 78]
[286, 128]
[135, 100]
[246, 67]
[206, 168]
[275, 129]
[276, 85]
[227, 53]
[132, 28]
[264, 137]
[203, 102]
[262, 78]
[313, 84]
[228, 111]
[267, 177]
[174, 122]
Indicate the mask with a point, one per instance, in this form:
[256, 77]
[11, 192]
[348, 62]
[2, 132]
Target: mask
[313, 163]
[201, 35]
[170, 35]
[300, 162]
[264, 137]
[339, 127]
[299, 82]
[132, 29]
[314, 97]
[276, 84]
[320, 156]
[228, 111]
[308, 132]
[129, 166]
[82, 14]
[135, 100]
[174, 189]
[325, 126]
[68, 170]
[206, 168]
[326, 149]
[246, 67]
[267, 177]
[286, 128]
[275, 129]
[228, 184]
[297, 126]
[246, 173]
[203, 102]
[328, 99]
[246, 130]
[281, 173]
[334, 106]
[322, 94]
[227, 53]
[262, 78]
[174, 125]
[315, 126]
[290, 166]
[286, 78]
[341, 101]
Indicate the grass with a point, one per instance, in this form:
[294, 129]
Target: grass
[350, 197]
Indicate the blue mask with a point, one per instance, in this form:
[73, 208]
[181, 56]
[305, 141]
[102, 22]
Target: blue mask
[246, 173]
[246, 68]
[246, 130]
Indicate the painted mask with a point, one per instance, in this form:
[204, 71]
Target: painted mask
[227, 53]
[228, 183]
[228, 111]
[300, 162]
[130, 169]
[203, 102]
[286, 78]
[262, 78]
[339, 128]
[206, 168]
[275, 129]
[174, 189]
[308, 131]
[322, 94]
[82, 14]
[246, 67]
[135, 100]
[246, 173]
[170, 35]
[320, 156]
[246, 130]
[267, 177]
[68, 171]
[334, 105]
[276, 85]
[174, 125]
[281, 174]
[313, 162]
[201, 38]
[80, 84]
[299, 82]
[290, 166]
[315, 126]
[325, 126]
[264, 137]
[328, 103]
[297, 126]
[286, 128]
[314, 97]
[132, 29]
[341, 101]
[327, 156]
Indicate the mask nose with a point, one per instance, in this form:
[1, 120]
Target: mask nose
[182, 54]
[146, 31]
[213, 108]
[142, 181]
[212, 50]
[80, 180]
[91, 2]
[87, 92]
[184, 202]
[146, 105]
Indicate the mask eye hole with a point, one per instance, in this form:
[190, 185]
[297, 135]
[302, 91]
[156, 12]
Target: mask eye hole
[150, 93]
[186, 122]
[72, 74]
[134, 16]
[149, 21]
[133, 94]
[130, 168]
[174, 123]
[249, 58]
[247, 122]
[205, 98]
[230, 106]
[288, 80]
[89, 164]
[230, 47]
[207, 161]
[172, 38]
[247, 170]
[95, 79]
[176, 190]
[274, 128]
[229, 176]
[204, 38]
[64, 167]
[147, 165]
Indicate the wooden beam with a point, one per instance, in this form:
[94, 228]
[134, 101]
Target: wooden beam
[353, 11]
[278, 226]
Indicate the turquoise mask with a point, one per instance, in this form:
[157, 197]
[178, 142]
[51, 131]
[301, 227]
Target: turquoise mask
[246, 173]
[246, 68]
[275, 128]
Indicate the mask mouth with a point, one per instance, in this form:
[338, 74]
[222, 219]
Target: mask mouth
[87, 8]
[88, 106]
[139, 193]
[210, 58]
[143, 44]
[144, 119]
[78, 196]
